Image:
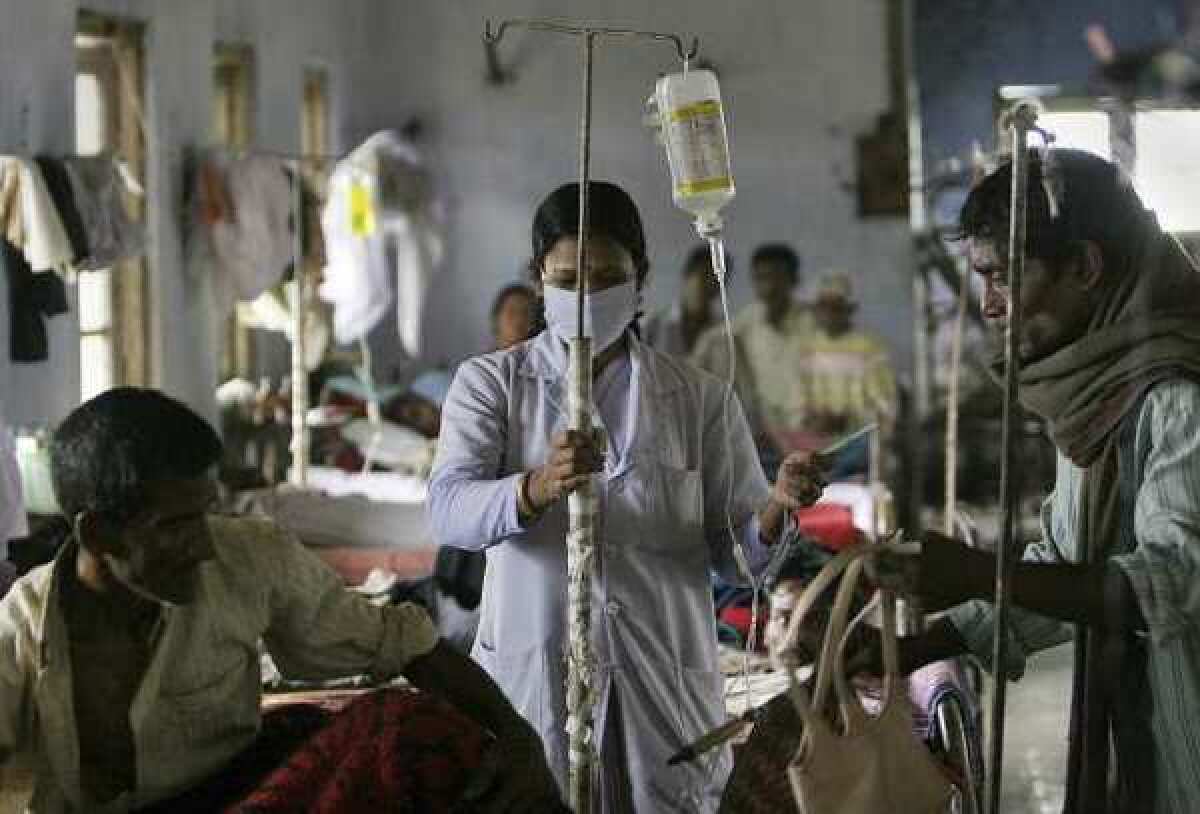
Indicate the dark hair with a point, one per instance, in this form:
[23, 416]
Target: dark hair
[510, 291]
[107, 450]
[700, 256]
[537, 317]
[1096, 203]
[611, 212]
[780, 253]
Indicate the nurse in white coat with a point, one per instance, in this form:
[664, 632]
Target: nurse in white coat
[671, 485]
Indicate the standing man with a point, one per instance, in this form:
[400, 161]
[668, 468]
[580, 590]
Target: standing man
[847, 382]
[677, 329]
[1110, 358]
[771, 337]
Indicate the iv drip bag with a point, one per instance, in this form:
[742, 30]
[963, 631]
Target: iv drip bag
[692, 122]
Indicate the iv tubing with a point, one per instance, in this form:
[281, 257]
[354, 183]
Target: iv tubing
[716, 246]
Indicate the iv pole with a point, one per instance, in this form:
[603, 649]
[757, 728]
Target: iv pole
[582, 503]
[1021, 122]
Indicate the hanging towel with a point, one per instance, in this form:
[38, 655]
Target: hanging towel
[99, 185]
[46, 247]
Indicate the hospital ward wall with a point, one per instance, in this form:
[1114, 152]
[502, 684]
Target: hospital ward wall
[800, 81]
[37, 68]
[967, 49]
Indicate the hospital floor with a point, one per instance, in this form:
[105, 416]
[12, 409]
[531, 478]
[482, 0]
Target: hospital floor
[1035, 749]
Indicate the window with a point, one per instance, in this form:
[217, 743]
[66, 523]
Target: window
[233, 81]
[1082, 131]
[1168, 166]
[1166, 169]
[109, 102]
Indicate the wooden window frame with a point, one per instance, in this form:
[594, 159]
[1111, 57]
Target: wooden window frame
[113, 50]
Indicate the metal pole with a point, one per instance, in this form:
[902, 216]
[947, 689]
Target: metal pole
[1022, 120]
[581, 504]
[299, 470]
[952, 398]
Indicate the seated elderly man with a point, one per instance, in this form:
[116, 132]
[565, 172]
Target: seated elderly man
[129, 666]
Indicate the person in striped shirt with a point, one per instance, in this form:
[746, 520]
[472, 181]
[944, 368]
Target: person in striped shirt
[1110, 358]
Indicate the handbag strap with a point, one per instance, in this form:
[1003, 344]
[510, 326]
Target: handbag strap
[832, 570]
[853, 713]
[826, 663]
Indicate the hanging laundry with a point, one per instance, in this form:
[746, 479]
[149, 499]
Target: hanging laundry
[12, 224]
[99, 185]
[46, 245]
[32, 297]
[380, 203]
[33, 250]
[212, 196]
[247, 212]
[59, 186]
[356, 269]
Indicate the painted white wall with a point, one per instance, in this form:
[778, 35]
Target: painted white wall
[799, 81]
[37, 114]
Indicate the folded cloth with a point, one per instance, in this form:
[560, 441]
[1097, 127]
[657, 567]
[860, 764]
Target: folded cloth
[393, 750]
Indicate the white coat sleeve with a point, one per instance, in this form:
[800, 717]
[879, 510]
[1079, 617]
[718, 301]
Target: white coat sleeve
[471, 505]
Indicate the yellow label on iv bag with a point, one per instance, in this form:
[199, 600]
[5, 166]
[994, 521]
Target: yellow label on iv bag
[699, 154]
[707, 185]
[710, 107]
[362, 210]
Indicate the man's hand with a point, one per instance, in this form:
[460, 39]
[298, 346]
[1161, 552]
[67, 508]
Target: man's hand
[799, 484]
[513, 777]
[573, 457]
[951, 572]
[939, 572]
[800, 481]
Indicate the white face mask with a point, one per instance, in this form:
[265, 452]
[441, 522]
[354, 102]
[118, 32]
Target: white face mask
[607, 313]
